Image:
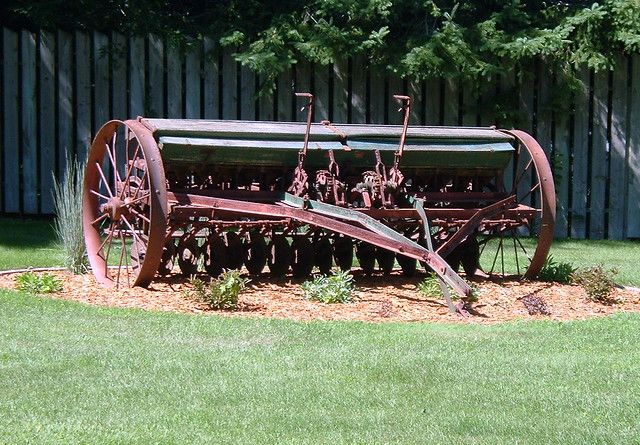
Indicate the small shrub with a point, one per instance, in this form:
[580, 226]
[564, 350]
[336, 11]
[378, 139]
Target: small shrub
[67, 197]
[45, 283]
[221, 293]
[430, 287]
[556, 272]
[335, 288]
[597, 282]
[535, 305]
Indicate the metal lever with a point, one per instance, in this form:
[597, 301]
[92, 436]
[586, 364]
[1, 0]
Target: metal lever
[405, 101]
[309, 107]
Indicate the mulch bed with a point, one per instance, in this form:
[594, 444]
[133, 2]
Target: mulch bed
[392, 298]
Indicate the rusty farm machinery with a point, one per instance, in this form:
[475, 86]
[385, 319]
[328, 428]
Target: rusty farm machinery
[164, 196]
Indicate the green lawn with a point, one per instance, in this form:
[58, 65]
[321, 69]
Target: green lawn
[25, 243]
[71, 373]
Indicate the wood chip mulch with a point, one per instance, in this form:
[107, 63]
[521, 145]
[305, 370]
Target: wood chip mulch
[392, 298]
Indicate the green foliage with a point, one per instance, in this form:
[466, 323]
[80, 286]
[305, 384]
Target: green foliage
[416, 38]
[44, 283]
[597, 282]
[68, 222]
[429, 287]
[221, 293]
[556, 272]
[336, 288]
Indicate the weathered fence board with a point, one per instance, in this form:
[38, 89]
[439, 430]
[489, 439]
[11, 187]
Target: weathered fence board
[82, 94]
[618, 171]
[155, 86]
[47, 119]
[118, 77]
[580, 157]
[136, 77]
[247, 94]
[59, 88]
[356, 111]
[11, 164]
[341, 92]
[599, 165]
[633, 187]
[65, 141]
[376, 97]
[29, 127]
[192, 84]
[230, 86]
[210, 80]
[561, 162]
[174, 82]
[321, 91]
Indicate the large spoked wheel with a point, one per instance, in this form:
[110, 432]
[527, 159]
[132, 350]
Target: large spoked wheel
[519, 245]
[124, 205]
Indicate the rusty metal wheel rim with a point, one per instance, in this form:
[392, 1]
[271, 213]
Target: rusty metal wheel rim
[532, 184]
[124, 204]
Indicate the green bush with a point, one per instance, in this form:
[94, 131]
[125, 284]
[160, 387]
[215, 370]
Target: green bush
[430, 287]
[556, 272]
[44, 283]
[221, 293]
[335, 288]
[67, 196]
[597, 283]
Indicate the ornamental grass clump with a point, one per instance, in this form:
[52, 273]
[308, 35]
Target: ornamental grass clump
[335, 288]
[67, 196]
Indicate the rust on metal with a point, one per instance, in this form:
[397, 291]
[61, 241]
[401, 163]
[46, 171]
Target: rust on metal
[165, 194]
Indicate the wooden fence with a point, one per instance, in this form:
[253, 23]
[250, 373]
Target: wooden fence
[58, 88]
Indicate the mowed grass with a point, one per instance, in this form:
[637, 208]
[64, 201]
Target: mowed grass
[28, 243]
[71, 373]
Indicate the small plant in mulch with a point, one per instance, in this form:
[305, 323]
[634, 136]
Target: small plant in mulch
[597, 282]
[535, 305]
[44, 283]
[220, 293]
[430, 288]
[335, 288]
[556, 272]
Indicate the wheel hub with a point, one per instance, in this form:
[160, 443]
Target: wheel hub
[116, 208]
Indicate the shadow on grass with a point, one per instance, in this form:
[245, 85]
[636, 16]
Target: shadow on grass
[26, 233]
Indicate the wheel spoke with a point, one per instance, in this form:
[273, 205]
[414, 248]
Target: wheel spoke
[515, 251]
[133, 232]
[128, 172]
[122, 251]
[99, 194]
[140, 215]
[106, 183]
[495, 258]
[533, 189]
[109, 240]
[520, 176]
[142, 181]
[137, 200]
[116, 175]
[99, 218]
